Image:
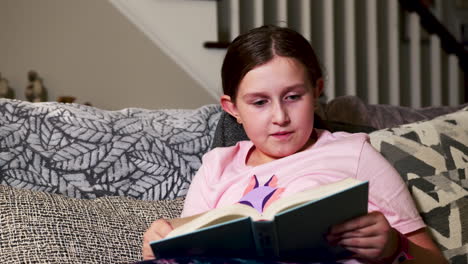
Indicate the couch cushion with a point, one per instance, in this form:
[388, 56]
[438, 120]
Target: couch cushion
[432, 156]
[38, 227]
[86, 152]
[353, 110]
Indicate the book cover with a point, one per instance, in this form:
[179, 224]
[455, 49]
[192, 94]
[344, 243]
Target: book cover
[293, 228]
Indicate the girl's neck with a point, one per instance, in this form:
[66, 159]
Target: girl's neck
[254, 158]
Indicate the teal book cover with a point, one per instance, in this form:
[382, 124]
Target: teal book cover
[294, 232]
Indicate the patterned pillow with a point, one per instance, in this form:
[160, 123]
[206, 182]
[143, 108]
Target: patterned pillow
[432, 157]
[39, 227]
[85, 152]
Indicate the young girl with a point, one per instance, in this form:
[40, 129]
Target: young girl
[271, 82]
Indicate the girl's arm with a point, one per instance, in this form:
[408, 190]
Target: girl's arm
[373, 240]
[372, 236]
[423, 248]
[194, 204]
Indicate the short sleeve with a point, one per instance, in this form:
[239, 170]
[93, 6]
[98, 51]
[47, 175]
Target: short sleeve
[196, 201]
[388, 192]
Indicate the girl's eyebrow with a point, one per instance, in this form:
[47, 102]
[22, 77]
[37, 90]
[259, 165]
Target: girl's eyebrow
[295, 87]
[253, 95]
[264, 94]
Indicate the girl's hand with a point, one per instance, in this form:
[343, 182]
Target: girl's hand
[158, 230]
[370, 236]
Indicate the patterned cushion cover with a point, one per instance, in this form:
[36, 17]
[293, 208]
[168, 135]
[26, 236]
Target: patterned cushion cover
[85, 152]
[38, 227]
[432, 156]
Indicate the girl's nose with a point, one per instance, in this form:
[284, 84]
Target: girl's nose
[280, 115]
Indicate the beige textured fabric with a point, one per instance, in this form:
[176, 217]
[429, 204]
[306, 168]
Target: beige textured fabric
[38, 227]
[432, 157]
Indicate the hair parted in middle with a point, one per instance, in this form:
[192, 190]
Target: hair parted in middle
[260, 45]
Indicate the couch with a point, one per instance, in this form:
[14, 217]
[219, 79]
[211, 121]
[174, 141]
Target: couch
[80, 184]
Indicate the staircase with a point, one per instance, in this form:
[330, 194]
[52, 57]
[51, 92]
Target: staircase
[373, 49]
[179, 28]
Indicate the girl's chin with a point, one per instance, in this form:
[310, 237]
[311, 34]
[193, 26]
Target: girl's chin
[278, 151]
[283, 154]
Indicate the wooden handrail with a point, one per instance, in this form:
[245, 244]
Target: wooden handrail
[216, 45]
[448, 42]
[432, 25]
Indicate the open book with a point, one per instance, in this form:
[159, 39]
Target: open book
[292, 228]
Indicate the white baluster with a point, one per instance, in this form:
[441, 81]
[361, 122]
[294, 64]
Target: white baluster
[415, 60]
[234, 23]
[372, 57]
[436, 70]
[393, 52]
[329, 47]
[453, 80]
[350, 47]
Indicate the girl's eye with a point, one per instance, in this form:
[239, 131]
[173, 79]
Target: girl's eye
[293, 97]
[259, 102]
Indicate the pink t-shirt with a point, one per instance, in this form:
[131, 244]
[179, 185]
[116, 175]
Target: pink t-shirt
[224, 176]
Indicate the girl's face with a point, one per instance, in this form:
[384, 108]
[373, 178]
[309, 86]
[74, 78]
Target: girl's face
[275, 104]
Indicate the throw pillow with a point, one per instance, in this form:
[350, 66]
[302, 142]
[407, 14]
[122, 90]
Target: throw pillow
[38, 227]
[432, 156]
[86, 152]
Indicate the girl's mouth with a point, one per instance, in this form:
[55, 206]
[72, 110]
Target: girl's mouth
[282, 134]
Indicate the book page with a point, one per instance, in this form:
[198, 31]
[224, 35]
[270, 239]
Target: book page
[214, 217]
[177, 222]
[296, 199]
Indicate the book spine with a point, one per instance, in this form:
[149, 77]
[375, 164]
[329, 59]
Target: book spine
[266, 239]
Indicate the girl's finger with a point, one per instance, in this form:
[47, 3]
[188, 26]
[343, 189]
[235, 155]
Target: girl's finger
[147, 252]
[162, 227]
[371, 247]
[362, 242]
[157, 231]
[149, 237]
[365, 253]
[367, 231]
[353, 224]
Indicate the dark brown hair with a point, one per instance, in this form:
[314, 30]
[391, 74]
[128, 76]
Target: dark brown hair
[260, 45]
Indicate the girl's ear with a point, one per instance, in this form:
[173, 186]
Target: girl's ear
[318, 89]
[228, 105]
